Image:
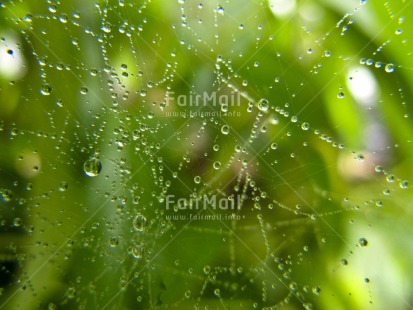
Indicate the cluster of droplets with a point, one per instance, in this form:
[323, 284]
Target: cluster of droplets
[388, 68]
[122, 138]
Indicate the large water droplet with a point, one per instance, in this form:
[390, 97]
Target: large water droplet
[363, 242]
[84, 90]
[378, 169]
[139, 222]
[92, 167]
[217, 165]
[263, 105]
[225, 129]
[52, 8]
[404, 184]
[71, 292]
[390, 178]
[137, 252]
[63, 19]
[63, 186]
[46, 90]
[28, 18]
[113, 242]
[305, 126]
[389, 68]
[106, 28]
[17, 222]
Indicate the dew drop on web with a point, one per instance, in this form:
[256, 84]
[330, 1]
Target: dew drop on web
[92, 167]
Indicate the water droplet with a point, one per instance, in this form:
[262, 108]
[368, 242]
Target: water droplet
[6, 195]
[316, 290]
[71, 293]
[92, 167]
[274, 146]
[389, 68]
[340, 95]
[84, 90]
[197, 179]
[113, 242]
[187, 294]
[28, 18]
[106, 27]
[390, 178]
[137, 252]
[51, 306]
[378, 169]
[17, 222]
[60, 103]
[217, 292]
[363, 242]
[46, 90]
[308, 306]
[263, 105]
[52, 8]
[63, 186]
[305, 126]
[344, 262]
[63, 19]
[217, 165]
[294, 119]
[404, 184]
[224, 108]
[225, 129]
[139, 222]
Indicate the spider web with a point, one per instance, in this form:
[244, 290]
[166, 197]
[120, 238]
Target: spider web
[281, 127]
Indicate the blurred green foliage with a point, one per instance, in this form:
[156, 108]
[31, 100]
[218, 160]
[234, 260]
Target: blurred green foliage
[326, 164]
